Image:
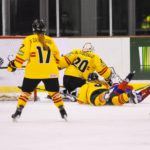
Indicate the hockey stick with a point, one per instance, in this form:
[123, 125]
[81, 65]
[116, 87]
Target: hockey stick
[16, 68]
[68, 96]
[9, 59]
[71, 97]
[122, 80]
[3, 67]
[143, 87]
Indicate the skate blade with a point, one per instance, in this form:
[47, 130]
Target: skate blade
[65, 118]
[15, 119]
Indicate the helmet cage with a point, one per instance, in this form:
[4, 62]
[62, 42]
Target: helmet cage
[88, 47]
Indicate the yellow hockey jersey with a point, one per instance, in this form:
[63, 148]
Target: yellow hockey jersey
[80, 64]
[89, 93]
[93, 93]
[41, 62]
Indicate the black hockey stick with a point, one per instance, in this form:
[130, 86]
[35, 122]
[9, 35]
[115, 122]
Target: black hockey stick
[71, 97]
[3, 67]
[16, 68]
[9, 59]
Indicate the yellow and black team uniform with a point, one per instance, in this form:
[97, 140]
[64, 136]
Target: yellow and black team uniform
[41, 66]
[79, 64]
[42, 56]
[93, 93]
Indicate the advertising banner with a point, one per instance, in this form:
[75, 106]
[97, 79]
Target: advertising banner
[140, 57]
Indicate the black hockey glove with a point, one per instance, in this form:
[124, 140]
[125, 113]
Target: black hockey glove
[109, 81]
[1, 61]
[11, 66]
[92, 76]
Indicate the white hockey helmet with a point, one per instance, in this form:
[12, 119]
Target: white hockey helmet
[88, 47]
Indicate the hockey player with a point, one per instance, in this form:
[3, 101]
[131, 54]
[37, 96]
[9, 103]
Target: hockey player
[42, 56]
[98, 93]
[79, 64]
[1, 61]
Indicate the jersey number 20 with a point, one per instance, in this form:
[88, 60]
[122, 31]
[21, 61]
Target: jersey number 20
[80, 64]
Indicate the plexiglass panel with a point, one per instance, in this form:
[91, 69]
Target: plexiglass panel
[23, 12]
[142, 17]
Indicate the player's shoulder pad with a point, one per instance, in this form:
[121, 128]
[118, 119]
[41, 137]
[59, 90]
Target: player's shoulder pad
[96, 55]
[76, 51]
[49, 39]
[30, 36]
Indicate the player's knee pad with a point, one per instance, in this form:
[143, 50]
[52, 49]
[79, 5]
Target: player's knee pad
[23, 98]
[120, 99]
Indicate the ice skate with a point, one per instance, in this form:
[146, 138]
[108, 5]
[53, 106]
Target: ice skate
[137, 97]
[63, 93]
[17, 114]
[73, 95]
[71, 98]
[134, 97]
[68, 96]
[144, 93]
[63, 112]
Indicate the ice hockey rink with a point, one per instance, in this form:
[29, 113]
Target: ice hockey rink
[88, 128]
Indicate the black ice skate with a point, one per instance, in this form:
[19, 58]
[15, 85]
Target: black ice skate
[63, 112]
[68, 96]
[18, 112]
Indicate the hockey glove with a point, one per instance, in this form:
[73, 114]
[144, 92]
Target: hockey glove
[111, 80]
[1, 61]
[11, 66]
[92, 76]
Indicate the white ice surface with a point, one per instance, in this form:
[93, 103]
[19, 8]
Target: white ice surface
[88, 128]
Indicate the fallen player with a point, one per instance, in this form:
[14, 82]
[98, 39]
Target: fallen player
[99, 93]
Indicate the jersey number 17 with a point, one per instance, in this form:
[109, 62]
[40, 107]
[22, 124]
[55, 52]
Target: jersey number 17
[41, 60]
